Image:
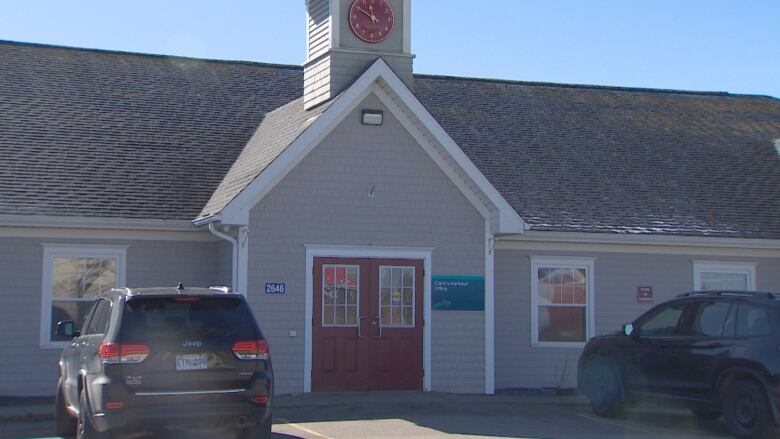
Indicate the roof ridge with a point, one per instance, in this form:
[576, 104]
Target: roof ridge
[150, 55]
[591, 86]
[416, 75]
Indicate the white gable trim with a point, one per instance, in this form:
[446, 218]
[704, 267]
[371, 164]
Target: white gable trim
[237, 210]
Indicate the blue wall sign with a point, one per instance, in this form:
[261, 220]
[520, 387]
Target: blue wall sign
[275, 288]
[458, 293]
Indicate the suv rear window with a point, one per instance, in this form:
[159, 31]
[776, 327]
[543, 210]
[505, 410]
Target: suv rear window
[155, 317]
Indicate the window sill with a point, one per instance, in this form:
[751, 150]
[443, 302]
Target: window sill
[556, 344]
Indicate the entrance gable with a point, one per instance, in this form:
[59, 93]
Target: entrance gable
[380, 80]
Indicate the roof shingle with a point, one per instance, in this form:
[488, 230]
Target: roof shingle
[107, 134]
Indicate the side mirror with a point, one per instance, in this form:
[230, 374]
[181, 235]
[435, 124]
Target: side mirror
[67, 328]
[628, 329]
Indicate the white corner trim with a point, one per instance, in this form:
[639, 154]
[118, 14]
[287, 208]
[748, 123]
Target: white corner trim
[732, 267]
[242, 272]
[312, 251]
[335, 23]
[563, 261]
[407, 37]
[490, 314]
[237, 210]
[51, 251]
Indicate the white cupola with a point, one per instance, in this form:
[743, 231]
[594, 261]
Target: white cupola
[344, 37]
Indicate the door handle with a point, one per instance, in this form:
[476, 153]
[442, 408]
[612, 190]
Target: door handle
[714, 345]
[378, 322]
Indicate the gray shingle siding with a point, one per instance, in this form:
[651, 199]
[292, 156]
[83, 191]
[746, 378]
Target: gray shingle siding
[617, 275]
[29, 370]
[324, 200]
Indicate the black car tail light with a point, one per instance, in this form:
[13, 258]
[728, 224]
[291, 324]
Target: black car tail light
[251, 350]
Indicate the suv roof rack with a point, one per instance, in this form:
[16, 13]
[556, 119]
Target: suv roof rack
[756, 294]
[222, 288]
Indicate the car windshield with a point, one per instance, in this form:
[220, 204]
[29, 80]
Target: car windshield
[204, 316]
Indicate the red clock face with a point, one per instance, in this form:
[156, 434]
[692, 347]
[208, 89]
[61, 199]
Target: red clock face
[371, 20]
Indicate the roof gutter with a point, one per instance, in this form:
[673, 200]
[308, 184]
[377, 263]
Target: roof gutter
[220, 234]
[202, 221]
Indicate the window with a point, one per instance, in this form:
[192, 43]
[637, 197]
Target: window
[710, 319]
[99, 318]
[710, 276]
[340, 293]
[665, 322]
[396, 296]
[561, 301]
[73, 276]
[752, 321]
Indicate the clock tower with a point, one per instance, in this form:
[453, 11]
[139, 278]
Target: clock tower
[344, 37]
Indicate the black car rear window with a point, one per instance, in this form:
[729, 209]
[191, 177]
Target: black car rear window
[203, 316]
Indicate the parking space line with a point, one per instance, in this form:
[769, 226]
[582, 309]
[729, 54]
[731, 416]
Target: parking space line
[618, 424]
[303, 429]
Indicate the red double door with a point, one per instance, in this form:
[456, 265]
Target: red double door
[368, 324]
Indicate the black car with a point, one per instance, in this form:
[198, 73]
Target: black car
[165, 359]
[718, 352]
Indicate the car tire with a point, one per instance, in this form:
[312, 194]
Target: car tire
[746, 410]
[604, 390]
[64, 422]
[706, 414]
[259, 431]
[85, 429]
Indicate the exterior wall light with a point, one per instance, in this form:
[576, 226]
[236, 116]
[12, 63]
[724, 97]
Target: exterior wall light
[373, 117]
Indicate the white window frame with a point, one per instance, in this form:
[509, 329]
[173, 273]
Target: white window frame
[322, 299]
[731, 267]
[51, 251]
[414, 298]
[588, 264]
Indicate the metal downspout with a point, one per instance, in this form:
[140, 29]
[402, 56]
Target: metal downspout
[234, 241]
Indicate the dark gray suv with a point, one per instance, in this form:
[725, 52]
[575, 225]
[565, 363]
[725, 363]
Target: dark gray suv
[716, 351]
[165, 359]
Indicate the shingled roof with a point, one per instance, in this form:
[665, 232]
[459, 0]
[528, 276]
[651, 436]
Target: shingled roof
[107, 134]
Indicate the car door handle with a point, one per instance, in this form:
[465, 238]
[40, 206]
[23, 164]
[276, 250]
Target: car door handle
[714, 345]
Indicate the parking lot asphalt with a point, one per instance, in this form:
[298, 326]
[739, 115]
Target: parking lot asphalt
[415, 415]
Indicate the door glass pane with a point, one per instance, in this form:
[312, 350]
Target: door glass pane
[340, 295]
[663, 323]
[752, 321]
[351, 315]
[327, 315]
[710, 319]
[396, 296]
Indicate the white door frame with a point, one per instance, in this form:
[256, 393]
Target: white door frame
[342, 251]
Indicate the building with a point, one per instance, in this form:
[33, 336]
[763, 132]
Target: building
[390, 230]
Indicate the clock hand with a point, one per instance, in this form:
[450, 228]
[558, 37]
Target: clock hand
[369, 15]
[373, 17]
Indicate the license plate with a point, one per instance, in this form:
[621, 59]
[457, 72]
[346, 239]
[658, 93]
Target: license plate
[191, 362]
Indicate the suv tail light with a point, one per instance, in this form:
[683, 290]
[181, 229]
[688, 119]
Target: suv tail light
[251, 350]
[123, 353]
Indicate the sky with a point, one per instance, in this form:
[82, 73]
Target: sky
[713, 45]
